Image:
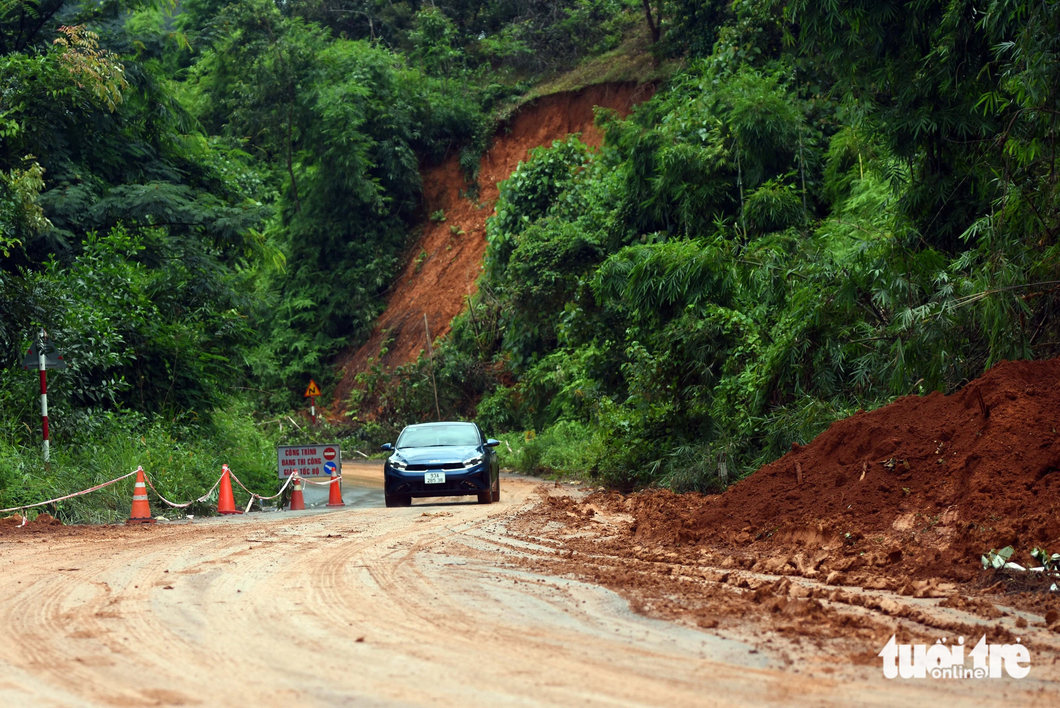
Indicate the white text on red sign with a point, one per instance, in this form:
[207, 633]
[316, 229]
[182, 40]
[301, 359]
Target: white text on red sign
[306, 460]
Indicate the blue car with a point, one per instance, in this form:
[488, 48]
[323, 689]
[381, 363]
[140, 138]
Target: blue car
[440, 460]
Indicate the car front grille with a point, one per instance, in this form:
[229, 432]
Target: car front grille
[442, 466]
[416, 486]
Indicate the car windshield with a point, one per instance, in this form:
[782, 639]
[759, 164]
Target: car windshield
[438, 435]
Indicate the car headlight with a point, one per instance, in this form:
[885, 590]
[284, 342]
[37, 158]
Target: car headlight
[472, 461]
[397, 463]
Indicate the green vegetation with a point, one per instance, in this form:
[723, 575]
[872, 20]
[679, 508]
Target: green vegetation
[203, 202]
[822, 208]
[183, 459]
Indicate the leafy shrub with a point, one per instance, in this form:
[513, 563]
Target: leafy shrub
[528, 193]
[774, 206]
[183, 459]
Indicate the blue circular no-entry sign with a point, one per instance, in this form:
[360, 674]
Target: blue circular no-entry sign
[330, 467]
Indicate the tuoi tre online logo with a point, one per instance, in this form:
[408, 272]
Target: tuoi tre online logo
[947, 661]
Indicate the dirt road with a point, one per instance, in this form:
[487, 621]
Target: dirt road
[438, 604]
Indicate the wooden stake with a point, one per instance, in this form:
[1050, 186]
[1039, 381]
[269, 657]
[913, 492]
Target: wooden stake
[430, 355]
[798, 472]
[864, 469]
[982, 404]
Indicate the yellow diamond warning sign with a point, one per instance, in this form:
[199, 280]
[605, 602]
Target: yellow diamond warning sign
[312, 389]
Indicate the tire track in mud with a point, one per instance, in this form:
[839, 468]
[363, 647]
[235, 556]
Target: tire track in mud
[87, 613]
[509, 646]
[443, 604]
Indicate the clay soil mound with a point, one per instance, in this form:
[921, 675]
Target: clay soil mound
[13, 523]
[919, 488]
[443, 265]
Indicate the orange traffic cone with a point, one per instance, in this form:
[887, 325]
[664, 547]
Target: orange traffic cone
[141, 508]
[225, 503]
[297, 500]
[335, 492]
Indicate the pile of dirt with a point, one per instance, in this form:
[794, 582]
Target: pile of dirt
[918, 489]
[14, 522]
[730, 589]
[443, 265]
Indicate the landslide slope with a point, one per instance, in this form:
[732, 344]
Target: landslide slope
[921, 487]
[442, 266]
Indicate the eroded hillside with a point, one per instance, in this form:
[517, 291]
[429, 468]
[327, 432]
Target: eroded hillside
[442, 266]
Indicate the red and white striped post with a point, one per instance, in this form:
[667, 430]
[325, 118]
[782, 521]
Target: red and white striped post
[311, 392]
[42, 364]
[41, 357]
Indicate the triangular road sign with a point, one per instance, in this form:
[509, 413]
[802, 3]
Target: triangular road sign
[52, 360]
[312, 389]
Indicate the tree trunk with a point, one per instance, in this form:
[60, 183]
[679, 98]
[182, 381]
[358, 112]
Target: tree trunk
[654, 25]
[290, 161]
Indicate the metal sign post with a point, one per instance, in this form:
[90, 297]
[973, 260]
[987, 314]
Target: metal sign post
[43, 356]
[42, 363]
[311, 392]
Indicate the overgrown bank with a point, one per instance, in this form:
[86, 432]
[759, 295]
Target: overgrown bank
[202, 203]
[802, 223]
[825, 208]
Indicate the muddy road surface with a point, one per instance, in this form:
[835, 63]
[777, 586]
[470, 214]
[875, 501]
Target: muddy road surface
[447, 603]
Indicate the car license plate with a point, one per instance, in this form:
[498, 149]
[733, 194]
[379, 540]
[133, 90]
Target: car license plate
[434, 477]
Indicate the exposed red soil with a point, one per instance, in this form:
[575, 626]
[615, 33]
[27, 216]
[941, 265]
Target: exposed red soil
[438, 283]
[13, 523]
[901, 498]
[731, 590]
[873, 529]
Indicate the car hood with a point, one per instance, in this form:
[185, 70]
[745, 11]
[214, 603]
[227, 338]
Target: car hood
[427, 455]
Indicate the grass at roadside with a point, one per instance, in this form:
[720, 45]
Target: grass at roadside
[183, 459]
[630, 62]
[567, 450]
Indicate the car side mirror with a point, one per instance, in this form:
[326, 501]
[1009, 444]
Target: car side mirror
[386, 446]
[490, 442]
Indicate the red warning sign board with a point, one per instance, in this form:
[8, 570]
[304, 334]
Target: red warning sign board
[307, 460]
[312, 389]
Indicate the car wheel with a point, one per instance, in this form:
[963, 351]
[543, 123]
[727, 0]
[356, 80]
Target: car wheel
[485, 497]
[497, 490]
[398, 500]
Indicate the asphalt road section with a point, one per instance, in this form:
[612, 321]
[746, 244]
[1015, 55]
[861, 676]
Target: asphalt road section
[362, 487]
[363, 606]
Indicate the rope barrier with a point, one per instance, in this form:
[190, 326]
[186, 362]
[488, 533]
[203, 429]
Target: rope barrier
[258, 496]
[336, 478]
[203, 498]
[22, 507]
[68, 496]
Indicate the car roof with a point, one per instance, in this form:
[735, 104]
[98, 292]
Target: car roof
[438, 423]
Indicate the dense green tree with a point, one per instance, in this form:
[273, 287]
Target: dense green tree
[344, 125]
[784, 234]
[96, 152]
[824, 207]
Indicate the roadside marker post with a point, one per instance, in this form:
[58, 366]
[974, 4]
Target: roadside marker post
[43, 356]
[311, 392]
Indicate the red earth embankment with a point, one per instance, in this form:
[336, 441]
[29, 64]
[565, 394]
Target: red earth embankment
[16, 524]
[442, 267]
[916, 489]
